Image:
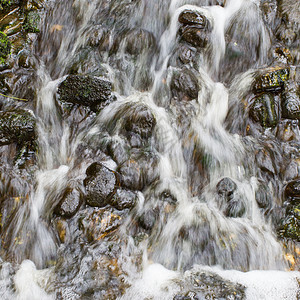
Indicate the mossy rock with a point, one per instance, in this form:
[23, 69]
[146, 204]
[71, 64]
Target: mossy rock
[16, 126]
[7, 4]
[32, 22]
[5, 47]
[271, 79]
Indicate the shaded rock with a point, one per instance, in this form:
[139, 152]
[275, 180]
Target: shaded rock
[85, 90]
[271, 79]
[194, 35]
[264, 161]
[70, 203]
[264, 110]
[147, 219]
[16, 126]
[192, 17]
[184, 85]
[123, 199]
[263, 196]
[226, 187]
[100, 185]
[292, 191]
[235, 208]
[138, 41]
[118, 151]
[139, 125]
[291, 103]
[131, 175]
[186, 54]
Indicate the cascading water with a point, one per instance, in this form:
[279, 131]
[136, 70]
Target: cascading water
[193, 171]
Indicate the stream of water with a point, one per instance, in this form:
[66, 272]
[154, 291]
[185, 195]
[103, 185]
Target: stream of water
[195, 144]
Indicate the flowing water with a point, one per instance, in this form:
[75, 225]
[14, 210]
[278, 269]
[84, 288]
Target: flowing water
[195, 144]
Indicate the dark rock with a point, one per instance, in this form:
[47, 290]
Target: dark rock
[192, 17]
[70, 203]
[287, 130]
[100, 185]
[147, 219]
[271, 79]
[184, 85]
[264, 111]
[131, 175]
[5, 47]
[263, 196]
[186, 54]
[16, 126]
[292, 191]
[291, 103]
[226, 187]
[85, 90]
[118, 151]
[194, 35]
[264, 161]
[123, 199]
[139, 125]
[138, 41]
[235, 208]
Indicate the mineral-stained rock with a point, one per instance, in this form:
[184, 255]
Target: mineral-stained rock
[85, 90]
[100, 185]
[271, 79]
[16, 126]
[184, 85]
[264, 110]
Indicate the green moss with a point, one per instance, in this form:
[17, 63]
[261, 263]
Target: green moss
[5, 47]
[32, 22]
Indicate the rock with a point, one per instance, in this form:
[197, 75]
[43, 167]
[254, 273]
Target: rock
[292, 191]
[271, 79]
[291, 103]
[147, 219]
[193, 17]
[70, 203]
[123, 199]
[99, 37]
[264, 161]
[287, 130]
[100, 185]
[8, 4]
[264, 110]
[118, 151]
[235, 208]
[184, 85]
[32, 22]
[194, 35]
[139, 40]
[131, 176]
[263, 196]
[5, 47]
[97, 223]
[186, 54]
[16, 126]
[139, 125]
[85, 90]
[226, 187]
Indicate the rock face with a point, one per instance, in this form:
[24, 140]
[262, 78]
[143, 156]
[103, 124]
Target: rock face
[85, 90]
[264, 110]
[100, 185]
[16, 126]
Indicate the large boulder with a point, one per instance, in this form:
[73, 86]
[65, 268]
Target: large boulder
[85, 90]
[16, 126]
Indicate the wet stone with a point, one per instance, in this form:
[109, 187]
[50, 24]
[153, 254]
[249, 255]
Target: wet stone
[287, 130]
[186, 54]
[184, 85]
[271, 79]
[194, 35]
[70, 203]
[235, 208]
[147, 219]
[264, 110]
[226, 187]
[138, 41]
[16, 126]
[131, 176]
[192, 17]
[291, 104]
[292, 191]
[264, 161]
[85, 90]
[100, 185]
[263, 196]
[118, 151]
[123, 199]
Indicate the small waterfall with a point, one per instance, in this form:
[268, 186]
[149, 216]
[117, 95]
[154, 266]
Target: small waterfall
[196, 210]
